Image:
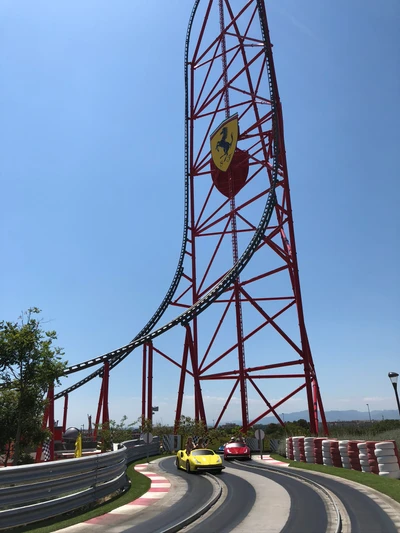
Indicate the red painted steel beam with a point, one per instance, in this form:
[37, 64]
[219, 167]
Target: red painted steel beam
[226, 403]
[150, 383]
[217, 329]
[257, 376]
[181, 390]
[144, 373]
[106, 379]
[98, 414]
[200, 414]
[277, 404]
[267, 403]
[51, 420]
[65, 413]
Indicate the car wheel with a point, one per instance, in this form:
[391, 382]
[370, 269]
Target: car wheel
[177, 463]
[188, 467]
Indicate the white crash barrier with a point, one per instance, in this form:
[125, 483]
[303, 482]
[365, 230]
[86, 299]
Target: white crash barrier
[363, 455]
[366, 456]
[309, 450]
[388, 463]
[326, 452]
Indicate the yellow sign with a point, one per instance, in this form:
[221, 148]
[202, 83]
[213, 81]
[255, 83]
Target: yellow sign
[78, 446]
[223, 142]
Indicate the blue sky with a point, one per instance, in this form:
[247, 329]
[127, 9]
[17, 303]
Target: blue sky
[91, 217]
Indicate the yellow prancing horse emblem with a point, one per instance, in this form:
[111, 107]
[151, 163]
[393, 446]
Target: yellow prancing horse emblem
[223, 142]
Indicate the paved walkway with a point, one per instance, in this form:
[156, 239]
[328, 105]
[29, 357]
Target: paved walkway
[272, 501]
[268, 460]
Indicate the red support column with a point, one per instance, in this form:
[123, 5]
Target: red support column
[322, 412]
[64, 424]
[99, 405]
[144, 373]
[181, 389]
[51, 420]
[197, 387]
[315, 405]
[226, 404]
[150, 383]
[106, 376]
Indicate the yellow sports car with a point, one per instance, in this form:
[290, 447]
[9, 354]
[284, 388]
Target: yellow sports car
[199, 460]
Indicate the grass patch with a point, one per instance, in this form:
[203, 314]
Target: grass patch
[139, 485]
[278, 457]
[388, 486]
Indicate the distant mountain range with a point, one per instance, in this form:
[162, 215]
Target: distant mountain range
[335, 416]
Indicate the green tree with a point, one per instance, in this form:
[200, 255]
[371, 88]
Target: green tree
[114, 433]
[160, 429]
[8, 416]
[29, 364]
[188, 427]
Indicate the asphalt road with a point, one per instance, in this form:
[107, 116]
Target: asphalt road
[307, 510]
[199, 492]
[365, 515]
[238, 503]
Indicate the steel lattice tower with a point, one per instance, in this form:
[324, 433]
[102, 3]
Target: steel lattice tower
[236, 290]
[230, 70]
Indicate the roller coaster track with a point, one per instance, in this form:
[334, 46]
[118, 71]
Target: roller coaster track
[146, 334]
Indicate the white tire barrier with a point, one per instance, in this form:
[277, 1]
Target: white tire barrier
[326, 452]
[366, 456]
[384, 445]
[394, 475]
[353, 452]
[298, 448]
[289, 448]
[309, 450]
[387, 459]
[344, 453]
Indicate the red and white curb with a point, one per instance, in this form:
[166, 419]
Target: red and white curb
[159, 488]
[268, 460]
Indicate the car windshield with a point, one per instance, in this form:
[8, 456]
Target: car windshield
[202, 452]
[237, 445]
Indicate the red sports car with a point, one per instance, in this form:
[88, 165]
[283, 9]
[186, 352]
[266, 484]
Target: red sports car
[236, 450]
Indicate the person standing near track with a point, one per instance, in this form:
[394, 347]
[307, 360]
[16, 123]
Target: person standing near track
[189, 445]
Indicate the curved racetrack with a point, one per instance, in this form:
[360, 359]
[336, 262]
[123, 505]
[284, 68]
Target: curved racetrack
[268, 500]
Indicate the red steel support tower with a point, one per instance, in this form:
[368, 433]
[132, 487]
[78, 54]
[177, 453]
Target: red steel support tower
[254, 334]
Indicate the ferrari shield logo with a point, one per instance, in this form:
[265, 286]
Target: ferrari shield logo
[223, 142]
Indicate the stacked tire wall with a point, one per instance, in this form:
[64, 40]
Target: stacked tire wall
[354, 455]
[298, 449]
[309, 450]
[318, 450]
[372, 460]
[335, 454]
[326, 452]
[387, 458]
[344, 454]
[364, 456]
[289, 448]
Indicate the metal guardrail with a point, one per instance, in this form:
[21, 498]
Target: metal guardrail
[40, 491]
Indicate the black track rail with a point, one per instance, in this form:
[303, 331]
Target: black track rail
[146, 335]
